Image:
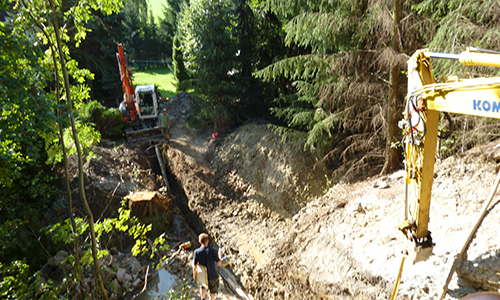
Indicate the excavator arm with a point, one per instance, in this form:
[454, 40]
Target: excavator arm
[425, 100]
[127, 85]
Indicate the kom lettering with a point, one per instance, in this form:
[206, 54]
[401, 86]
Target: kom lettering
[484, 105]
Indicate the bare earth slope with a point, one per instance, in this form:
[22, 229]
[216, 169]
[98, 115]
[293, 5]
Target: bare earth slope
[290, 238]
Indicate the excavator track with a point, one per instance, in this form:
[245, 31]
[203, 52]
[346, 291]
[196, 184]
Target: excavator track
[142, 131]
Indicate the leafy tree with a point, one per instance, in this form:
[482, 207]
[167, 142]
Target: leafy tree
[46, 17]
[14, 282]
[25, 117]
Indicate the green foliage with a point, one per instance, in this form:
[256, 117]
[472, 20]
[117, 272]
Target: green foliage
[111, 228]
[14, 280]
[319, 30]
[168, 24]
[459, 24]
[26, 111]
[312, 29]
[304, 110]
[26, 117]
[46, 17]
[180, 72]
[338, 76]
[215, 64]
[97, 53]
[22, 242]
[108, 121]
[142, 33]
[87, 135]
[454, 26]
[183, 291]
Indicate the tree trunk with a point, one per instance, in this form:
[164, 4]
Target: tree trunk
[81, 185]
[76, 245]
[392, 153]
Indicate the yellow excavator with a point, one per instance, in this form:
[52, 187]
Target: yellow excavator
[426, 99]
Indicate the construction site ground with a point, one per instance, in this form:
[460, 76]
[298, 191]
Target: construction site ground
[289, 234]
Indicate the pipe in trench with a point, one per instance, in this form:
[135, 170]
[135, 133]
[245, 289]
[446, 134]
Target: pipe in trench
[162, 166]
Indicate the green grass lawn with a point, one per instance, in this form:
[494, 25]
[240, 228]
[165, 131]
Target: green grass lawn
[162, 77]
[156, 7]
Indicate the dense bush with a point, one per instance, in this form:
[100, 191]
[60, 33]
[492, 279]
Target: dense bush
[107, 120]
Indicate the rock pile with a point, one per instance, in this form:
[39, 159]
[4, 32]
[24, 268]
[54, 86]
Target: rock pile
[121, 273]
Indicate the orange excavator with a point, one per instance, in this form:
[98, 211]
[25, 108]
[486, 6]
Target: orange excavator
[139, 107]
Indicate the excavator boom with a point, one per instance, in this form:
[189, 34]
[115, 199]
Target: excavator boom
[425, 100]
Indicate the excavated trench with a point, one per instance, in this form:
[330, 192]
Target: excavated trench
[177, 192]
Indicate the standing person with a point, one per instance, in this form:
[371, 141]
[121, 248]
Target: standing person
[209, 258]
[165, 124]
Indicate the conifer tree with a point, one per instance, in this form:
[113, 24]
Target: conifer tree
[179, 69]
[211, 53]
[342, 82]
[168, 25]
[452, 27]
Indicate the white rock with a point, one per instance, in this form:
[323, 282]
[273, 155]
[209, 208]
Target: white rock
[134, 264]
[120, 274]
[127, 278]
[55, 261]
[63, 254]
[138, 283]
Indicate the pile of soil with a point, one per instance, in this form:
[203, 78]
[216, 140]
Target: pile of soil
[111, 172]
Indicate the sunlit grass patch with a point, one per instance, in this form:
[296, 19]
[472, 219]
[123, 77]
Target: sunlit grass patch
[162, 77]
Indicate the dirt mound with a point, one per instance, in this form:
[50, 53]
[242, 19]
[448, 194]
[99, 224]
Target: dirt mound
[257, 166]
[111, 172]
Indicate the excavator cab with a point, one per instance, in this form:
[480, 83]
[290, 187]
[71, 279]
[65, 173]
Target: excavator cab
[148, 102]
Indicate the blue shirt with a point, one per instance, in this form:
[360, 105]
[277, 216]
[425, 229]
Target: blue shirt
[207, 257]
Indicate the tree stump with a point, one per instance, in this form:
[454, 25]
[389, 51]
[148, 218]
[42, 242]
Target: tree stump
[145, 203]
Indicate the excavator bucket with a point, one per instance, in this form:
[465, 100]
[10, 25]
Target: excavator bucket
[419, 253]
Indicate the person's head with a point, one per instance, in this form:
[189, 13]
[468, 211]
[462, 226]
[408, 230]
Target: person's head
[203, 239]
[164, 111]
